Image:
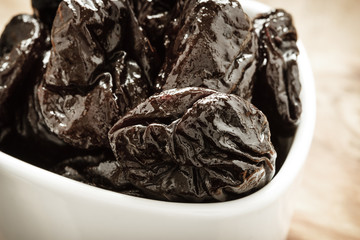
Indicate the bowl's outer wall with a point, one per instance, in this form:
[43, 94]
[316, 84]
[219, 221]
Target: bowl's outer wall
[36, 204]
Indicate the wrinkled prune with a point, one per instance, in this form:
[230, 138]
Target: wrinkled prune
[81, 120]
[99, 170]
[92, 77]
[45, 10]
[21, 46]
[214, 47]
[194, 144]
[277, 87]
[83, 35]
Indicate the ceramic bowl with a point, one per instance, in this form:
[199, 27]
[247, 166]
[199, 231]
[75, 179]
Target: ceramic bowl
[37, 204]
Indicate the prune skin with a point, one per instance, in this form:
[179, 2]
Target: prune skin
[212, 46]
[81, 120]
[45, 10]
[277, 88]
[84, 33]
[21, 45]
[194, 144]
[93, 75]
[85, 37]
[98, 169]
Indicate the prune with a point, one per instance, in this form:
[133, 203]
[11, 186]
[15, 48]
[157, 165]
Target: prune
[99, 170]
[84, 33]
[214, 47]
[194, 144]
[45, 10]
[81, 120]
[277, 87]
[92, 77]
[21, 44]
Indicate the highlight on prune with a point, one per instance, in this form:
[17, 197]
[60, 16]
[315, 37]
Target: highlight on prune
[277, 89]
[214, 46]
[194, 144]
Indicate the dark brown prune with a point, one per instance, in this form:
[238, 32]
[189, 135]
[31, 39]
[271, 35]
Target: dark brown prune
[94, 74]
[278, 87]
[84, 33]
[85, 37]
[21, 45]
[195, 145]
[45, 10]
[81, 120]
[100, 170]
[214, 47]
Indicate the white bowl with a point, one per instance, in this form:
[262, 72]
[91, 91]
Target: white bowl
[37, 204]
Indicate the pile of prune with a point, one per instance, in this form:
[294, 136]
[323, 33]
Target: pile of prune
[176, 100]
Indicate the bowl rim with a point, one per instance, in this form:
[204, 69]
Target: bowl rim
[260, 199]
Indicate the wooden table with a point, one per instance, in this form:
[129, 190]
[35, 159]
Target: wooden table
[328, 206]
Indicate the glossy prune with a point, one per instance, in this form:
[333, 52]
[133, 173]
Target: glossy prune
[84, 34]
[99, 170]
[21, 46]
[92, 77]
[81, 120]
[194, 144]
[277, 88]
[213, 47]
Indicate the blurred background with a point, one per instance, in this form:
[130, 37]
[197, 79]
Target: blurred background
[328, 204]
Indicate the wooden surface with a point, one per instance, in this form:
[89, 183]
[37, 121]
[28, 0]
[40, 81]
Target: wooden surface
[328, 206]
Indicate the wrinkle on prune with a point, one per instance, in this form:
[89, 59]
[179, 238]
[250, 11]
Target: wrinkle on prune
[212, 45]
[194, 144]
[277, 88]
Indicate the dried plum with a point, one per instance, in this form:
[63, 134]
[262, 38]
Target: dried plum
[99, 170]
[214, 47]
[84, 33]
[92, 77]
[278, 87]
[21, 46]
[194, 144]
[81, 120]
